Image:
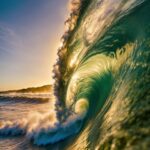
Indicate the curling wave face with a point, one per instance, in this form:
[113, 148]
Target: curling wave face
[98, 74]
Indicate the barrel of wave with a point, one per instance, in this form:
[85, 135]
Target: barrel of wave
[90, 83]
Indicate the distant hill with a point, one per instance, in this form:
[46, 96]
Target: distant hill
[41, 89]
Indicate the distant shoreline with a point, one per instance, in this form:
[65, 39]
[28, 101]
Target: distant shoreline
[41, 89]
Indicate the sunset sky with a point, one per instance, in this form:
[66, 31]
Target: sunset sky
[30, 32]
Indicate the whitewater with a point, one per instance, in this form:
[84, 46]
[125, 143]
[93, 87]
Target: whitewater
[100, 99]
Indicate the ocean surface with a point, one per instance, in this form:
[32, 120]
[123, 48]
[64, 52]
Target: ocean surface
[101, 95]
[15, 107]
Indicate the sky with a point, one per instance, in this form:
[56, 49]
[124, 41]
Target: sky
[30, 32]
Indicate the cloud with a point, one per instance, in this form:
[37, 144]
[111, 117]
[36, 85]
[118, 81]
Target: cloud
[9, 40]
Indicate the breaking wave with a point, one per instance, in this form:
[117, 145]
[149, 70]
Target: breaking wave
[101, 75]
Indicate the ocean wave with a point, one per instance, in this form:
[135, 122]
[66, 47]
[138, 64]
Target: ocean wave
[101, 76]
